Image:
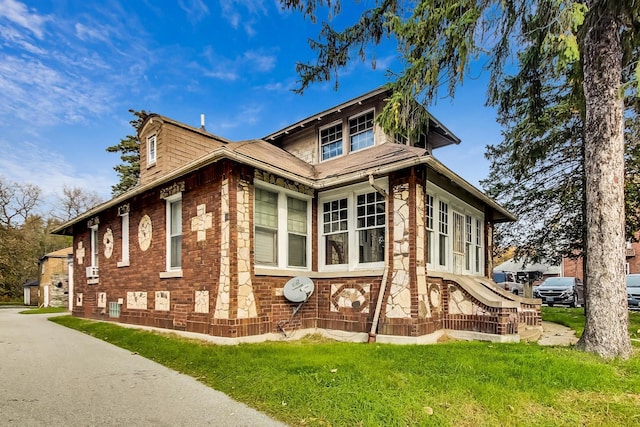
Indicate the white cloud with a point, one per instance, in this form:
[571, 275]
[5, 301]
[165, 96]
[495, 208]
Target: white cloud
[30, 163]
[93, 32]
[196, 10]
[248, 115]
[19, 14]
[245, 11]
[260, 62]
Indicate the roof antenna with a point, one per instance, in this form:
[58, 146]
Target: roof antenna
[202, 122]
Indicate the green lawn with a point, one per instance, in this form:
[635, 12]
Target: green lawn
[44, 310]
[319, 382]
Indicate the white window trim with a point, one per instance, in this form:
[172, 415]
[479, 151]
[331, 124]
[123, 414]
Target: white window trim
[152, 161]
[350, 193]
[169, 271]
[94, 253]
[282, 233]
[463, 208]
[348, 127]
[124, 262]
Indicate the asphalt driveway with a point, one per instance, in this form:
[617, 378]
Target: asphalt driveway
[51, 375]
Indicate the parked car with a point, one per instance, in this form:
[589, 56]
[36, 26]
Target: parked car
[633, 291]
[507, 281]
[560, 290]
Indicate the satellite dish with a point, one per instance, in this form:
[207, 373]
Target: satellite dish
[298, 289]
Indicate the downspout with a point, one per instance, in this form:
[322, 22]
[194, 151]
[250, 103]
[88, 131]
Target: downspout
[383, 282]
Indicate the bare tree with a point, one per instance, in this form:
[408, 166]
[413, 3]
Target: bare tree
[73, 201]
[17, 201]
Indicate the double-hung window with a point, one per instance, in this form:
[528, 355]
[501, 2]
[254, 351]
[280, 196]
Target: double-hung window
[94, 245]
[478, 245]
[151, 150]
[266, 227]
[429, 226]
[443, 237]
[371, 218]
[282, 220]
[361, 131]
[174, 232]
[331, 141]
[353, 227]
[124, 219]
[468, 240]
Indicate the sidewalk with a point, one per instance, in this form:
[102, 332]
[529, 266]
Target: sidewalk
[555, 334]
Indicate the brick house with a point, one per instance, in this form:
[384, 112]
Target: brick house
[396, 245]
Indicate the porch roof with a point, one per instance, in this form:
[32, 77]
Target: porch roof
[375, 161]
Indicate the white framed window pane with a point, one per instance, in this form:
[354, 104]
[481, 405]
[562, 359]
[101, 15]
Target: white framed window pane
[361, 131]
[266, 246]
[296, 215]
[94, 246]
[429, 246]
[266, 209]
[176, 217]
[331, 141]
[335, 216]
[125, 237]
[336, 249]
[442, 250]
[429, 212]
[362, 140]
[371, 245]
[297, 250]
[176, 251]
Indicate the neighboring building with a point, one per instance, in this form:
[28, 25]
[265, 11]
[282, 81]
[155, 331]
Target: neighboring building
[54, 278]
[31, 291]
[217, 234]
[573, 267]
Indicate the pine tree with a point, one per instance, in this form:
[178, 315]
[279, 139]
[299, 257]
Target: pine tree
[129, 149]
[439, 39]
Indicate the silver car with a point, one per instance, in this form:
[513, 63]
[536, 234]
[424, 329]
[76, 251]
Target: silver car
[560, 290]
[633, 291]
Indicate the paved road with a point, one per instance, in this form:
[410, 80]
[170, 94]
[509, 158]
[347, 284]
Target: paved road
[54, 376]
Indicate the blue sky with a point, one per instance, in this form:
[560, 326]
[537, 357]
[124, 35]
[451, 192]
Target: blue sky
[70, 70]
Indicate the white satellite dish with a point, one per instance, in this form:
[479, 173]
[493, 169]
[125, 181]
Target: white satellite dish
[298, 289]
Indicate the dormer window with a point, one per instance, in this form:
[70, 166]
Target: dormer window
[331, 141]
[151, 150]
[361, 131]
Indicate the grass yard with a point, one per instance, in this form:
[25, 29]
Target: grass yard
[317, 382]
[45, 310]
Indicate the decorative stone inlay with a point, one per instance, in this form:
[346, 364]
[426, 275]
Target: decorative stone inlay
[177, 187]
[351, 297]
[246, 298]
[201, 222]
[79, 299]
[93, 222]
[107, 239]
[222, 301]
[424, 310]
[102, 299]
[163, 300]
[399, 300]
[145, 231]
[123, 210]
[80, 253]
[460, 303]
[281, 182]
[202, 302]
[137, 300]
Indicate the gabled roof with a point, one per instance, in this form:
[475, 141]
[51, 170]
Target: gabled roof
[440, 135]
